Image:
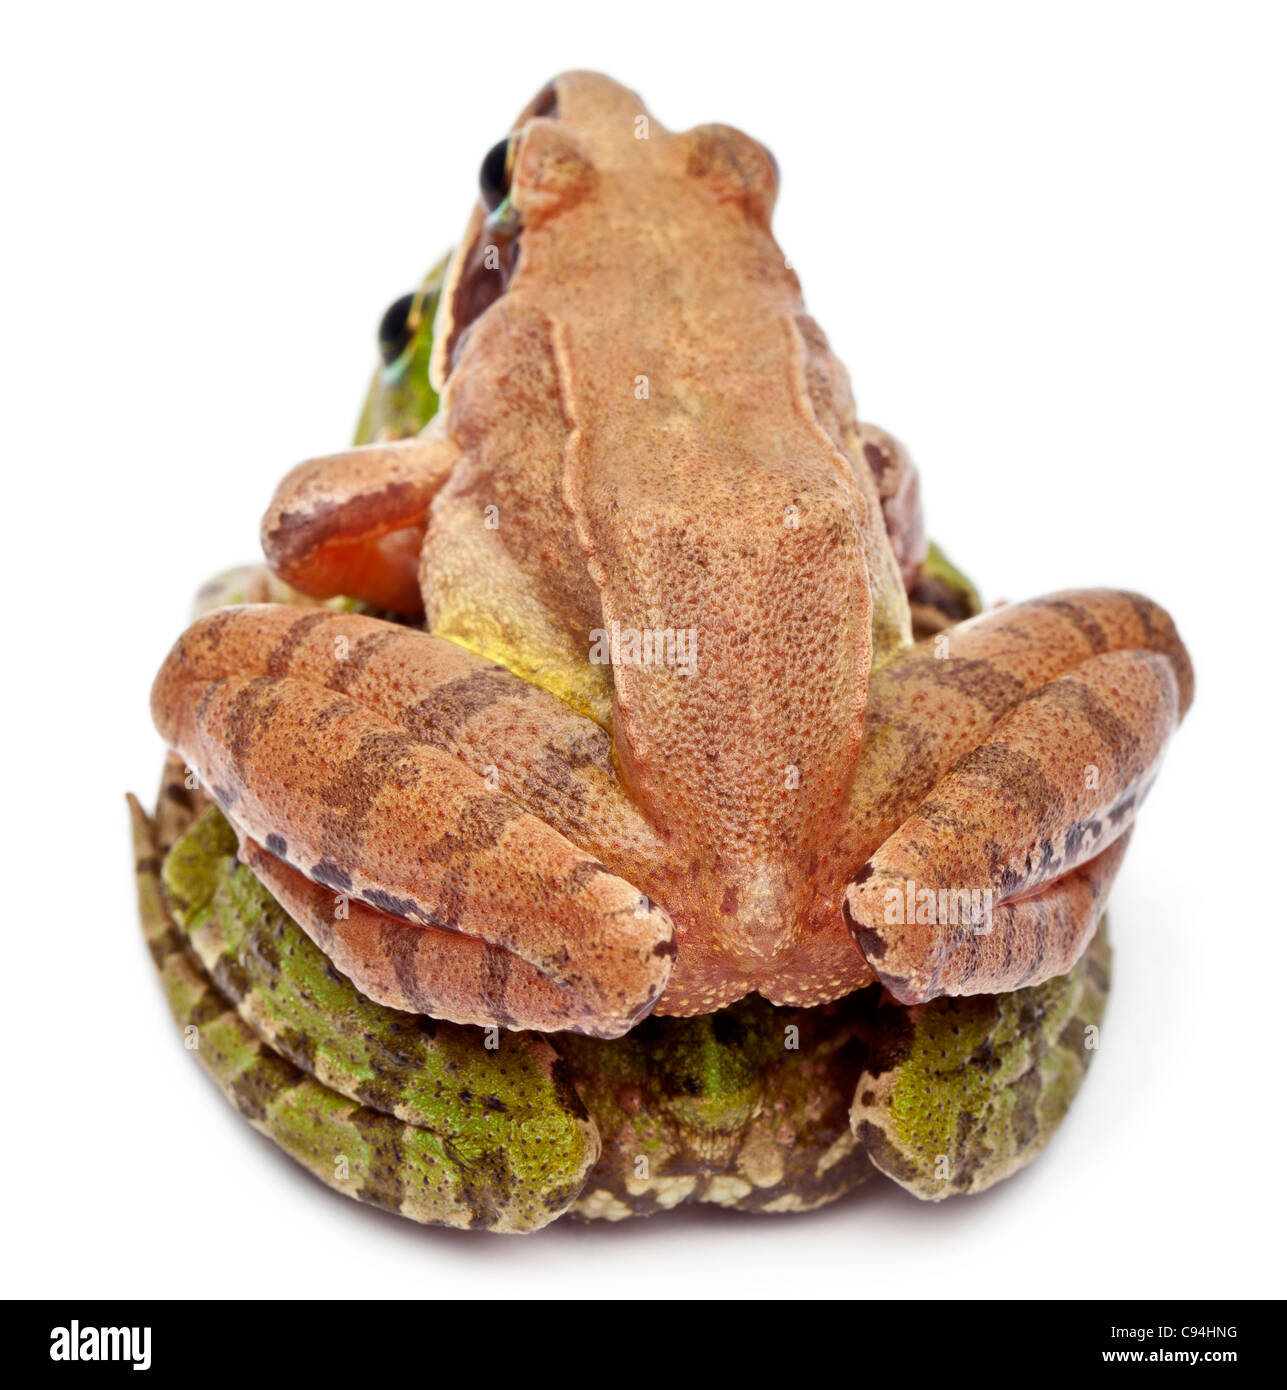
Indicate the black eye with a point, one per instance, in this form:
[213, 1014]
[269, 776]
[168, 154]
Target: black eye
[396, 329]
[493, 177]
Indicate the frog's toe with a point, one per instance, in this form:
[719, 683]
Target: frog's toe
[343, 746]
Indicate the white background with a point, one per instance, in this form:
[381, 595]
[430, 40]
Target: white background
[1050, 248]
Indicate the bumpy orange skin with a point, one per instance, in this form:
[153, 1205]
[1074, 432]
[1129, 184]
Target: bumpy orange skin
[642, 432]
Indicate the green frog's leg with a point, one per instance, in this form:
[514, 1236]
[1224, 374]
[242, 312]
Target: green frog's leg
[353, 750]
[1041, 728]
[960, 1093]
[406, 1114]
[178, 803]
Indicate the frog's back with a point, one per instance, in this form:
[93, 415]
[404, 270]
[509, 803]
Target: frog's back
[682, 488]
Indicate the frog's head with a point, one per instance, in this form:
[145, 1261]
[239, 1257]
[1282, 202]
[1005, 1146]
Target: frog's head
[583, 124]
[586, 148]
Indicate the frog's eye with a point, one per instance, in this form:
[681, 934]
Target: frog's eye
[494, 176]
[396, 329]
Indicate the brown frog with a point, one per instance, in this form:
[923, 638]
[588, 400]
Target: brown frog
[661, 738]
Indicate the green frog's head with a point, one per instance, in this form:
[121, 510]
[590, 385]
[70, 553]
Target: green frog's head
[401, 400]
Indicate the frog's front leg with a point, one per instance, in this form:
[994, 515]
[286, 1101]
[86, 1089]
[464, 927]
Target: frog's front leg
[1043, 726]
[366, 757]
[353, 523]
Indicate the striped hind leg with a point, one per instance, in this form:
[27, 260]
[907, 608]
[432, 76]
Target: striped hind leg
[427, 790]
[422, 970]
[1043, 727]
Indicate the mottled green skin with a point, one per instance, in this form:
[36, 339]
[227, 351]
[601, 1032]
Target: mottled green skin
[746, 1108]
[400, 401]
[432, 1122]
[961, 1093]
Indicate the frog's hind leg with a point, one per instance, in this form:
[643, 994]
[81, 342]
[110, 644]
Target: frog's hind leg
[380, 763]
[1043, 727]
[353, 523]
[422, 970]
